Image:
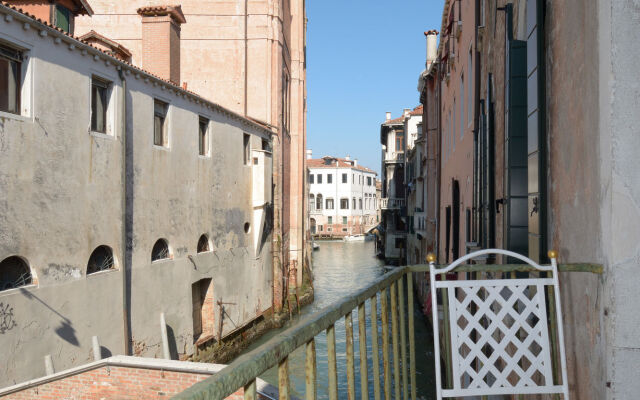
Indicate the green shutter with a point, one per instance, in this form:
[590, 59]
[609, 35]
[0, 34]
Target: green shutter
[63, 18]
[516, 222]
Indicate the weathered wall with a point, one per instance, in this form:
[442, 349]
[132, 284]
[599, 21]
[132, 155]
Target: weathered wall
[619, 29]
[62, 196]
[575, 191]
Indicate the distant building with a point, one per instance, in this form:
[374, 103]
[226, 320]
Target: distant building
[342, 197]
[396, 137]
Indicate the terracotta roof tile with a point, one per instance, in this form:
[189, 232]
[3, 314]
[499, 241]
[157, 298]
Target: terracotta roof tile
[175, 11]
[400, 120]
[336, 163]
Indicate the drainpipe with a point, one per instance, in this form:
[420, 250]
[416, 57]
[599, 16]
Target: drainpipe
[125, 253]
[246, 56]
[438, 158]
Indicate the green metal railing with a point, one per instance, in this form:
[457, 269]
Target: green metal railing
[399, 378]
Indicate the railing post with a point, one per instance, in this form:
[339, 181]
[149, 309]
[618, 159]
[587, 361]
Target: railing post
[446, 333]
[385, 343]
[351, 380]
[283, 379]
[375, 349]
[310, 370]
[362, 340]
[412, 340]
[394, 339]
[250, 391]
[403, 339]
[331, 358]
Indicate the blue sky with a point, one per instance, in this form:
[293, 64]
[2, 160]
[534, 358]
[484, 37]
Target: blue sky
[363, 59]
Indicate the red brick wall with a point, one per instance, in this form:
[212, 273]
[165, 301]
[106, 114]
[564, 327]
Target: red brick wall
[161, 47]
[120, 383]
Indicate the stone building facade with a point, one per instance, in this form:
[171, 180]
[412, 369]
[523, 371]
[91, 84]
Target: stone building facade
[248, 56]
[342, 197]
[552, 161]
[114, 210]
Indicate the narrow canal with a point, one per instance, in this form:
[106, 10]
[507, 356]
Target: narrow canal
[341, 269]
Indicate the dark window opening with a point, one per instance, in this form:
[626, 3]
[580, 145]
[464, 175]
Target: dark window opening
[160, 137]
[10, 75]
[329, 178]
[319, 178]
[203, 136]
[344, 204]
[310, 178]
[265, 145]
[329, 204]
[99, 102]
[100, 260]
[319, 202]
[247, 227]
[203, 244]
[203, 313]
[344, 178]
[246, 144]
[14, 273]
[160, 250]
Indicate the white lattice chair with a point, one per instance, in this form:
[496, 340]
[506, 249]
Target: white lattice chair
[499, 332]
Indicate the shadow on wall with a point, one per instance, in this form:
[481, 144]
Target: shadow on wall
[173, 344]
[66, 331]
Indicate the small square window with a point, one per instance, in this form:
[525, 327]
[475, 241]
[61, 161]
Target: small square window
[203, 136]
[99, 104]
[330, 220]
[344, 220]
[10, 84]
[160, 134]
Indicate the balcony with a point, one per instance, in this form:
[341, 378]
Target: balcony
[394, 157]
[315, 211]
[392, 203]
[388, 303]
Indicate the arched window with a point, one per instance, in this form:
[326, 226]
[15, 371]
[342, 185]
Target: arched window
[14, 272]
[319, 202]
[100, 260]
[160, 250]
[203, 244]
[312, 202]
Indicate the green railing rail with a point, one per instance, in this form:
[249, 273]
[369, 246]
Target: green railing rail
[242, 373]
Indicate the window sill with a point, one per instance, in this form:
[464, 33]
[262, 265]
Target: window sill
[17, 290]
[164, 260]
[102, 135]
[16, 117]
[161, 148]
[204, 156]
[106, 271]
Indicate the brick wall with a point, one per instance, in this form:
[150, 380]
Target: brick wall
[122, 383]
[161, 47]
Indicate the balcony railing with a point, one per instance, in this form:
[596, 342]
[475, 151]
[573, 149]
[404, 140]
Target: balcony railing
[394, 157]
[396, 373]
[390, 203]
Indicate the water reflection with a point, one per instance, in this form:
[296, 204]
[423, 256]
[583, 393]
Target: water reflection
[341, 269]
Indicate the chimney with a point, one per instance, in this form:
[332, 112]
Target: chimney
[348, 158]
[406, 112]
[309, 154]
[432, 46]
[388, 116]
[355, 162]
[161, 40]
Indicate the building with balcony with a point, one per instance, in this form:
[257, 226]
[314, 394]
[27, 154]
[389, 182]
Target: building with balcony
[343, 198]
[396, 135]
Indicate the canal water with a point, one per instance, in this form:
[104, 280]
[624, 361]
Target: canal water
[342, 268]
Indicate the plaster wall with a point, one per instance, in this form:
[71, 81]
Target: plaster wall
[457, 129]
[62, 196]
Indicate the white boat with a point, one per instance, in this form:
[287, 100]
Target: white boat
[315, 245]
[357, 238]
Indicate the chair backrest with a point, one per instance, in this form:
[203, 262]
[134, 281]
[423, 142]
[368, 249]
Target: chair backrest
[499, 332]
